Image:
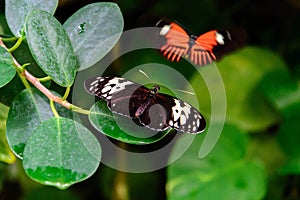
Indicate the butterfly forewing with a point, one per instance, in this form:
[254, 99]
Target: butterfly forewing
[181, 115]
[117, 92]
[233, 39]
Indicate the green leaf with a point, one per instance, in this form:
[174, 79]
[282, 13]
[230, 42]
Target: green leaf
[16, 11]
[282, 91]
[223, 174]
[51, 47]
[6, 154]
[7, 69]
[61, 152]
[121, 128]
[288, 138]
[5, 57]
[27, 111]
[94, 30]
[241, 73]
[11, 90]
[23, 56]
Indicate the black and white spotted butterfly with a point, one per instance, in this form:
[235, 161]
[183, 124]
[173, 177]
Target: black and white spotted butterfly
[152, 109]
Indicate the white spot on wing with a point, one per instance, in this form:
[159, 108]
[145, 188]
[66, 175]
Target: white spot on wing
[220, 38]
[119, 85]
[165, 29]
[182, 120]
[194, 128]
[95, 82]
[106, 89]
[176, 110]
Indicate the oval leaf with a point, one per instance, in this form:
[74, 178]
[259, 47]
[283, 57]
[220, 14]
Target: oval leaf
[16, 11]
[27, 111]
[61, 152]
[7, 70]
[121, 128]
[224, 174]
[51, 47]
[94, 30]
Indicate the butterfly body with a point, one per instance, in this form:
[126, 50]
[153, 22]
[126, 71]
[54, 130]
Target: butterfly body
[152, 109]
[200, 50]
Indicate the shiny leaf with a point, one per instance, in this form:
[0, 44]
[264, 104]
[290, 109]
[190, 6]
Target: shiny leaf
[7, 69]
[121, 128]
[16, 11]
[27, 111]
[51, 47]
[94, 30]
[61, 152]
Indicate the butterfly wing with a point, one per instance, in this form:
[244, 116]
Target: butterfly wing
[201, 51]
[181, 115]
[234, 38]
[118, 92]
[211, 46]
[177, 41]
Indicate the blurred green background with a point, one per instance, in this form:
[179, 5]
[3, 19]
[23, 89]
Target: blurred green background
[258, 154]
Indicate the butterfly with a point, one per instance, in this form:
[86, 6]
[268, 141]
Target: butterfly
[150, 108]
[200, 50]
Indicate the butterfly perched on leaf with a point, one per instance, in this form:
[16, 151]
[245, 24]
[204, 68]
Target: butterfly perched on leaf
[150, 108]
[200, 50]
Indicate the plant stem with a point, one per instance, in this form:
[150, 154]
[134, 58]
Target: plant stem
[18, 43]
[53, 109]
[25, 75]
[11, 39]
[47, 78]
[23, 79]
[66, 93]
[79, 110]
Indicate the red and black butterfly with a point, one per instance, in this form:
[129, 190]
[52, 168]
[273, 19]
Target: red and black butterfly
[200, 50]
[152, 109]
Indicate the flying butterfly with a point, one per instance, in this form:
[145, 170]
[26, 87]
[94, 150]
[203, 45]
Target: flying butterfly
[200, 50]
[150, 108]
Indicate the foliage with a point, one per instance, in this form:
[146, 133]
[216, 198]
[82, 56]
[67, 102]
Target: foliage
[54, 147]
[256, 156]
[233, 174]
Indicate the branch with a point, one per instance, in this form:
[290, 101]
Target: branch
[38, 84]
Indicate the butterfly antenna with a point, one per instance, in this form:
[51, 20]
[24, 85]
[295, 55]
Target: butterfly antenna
[183, 91]
[142, 72]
